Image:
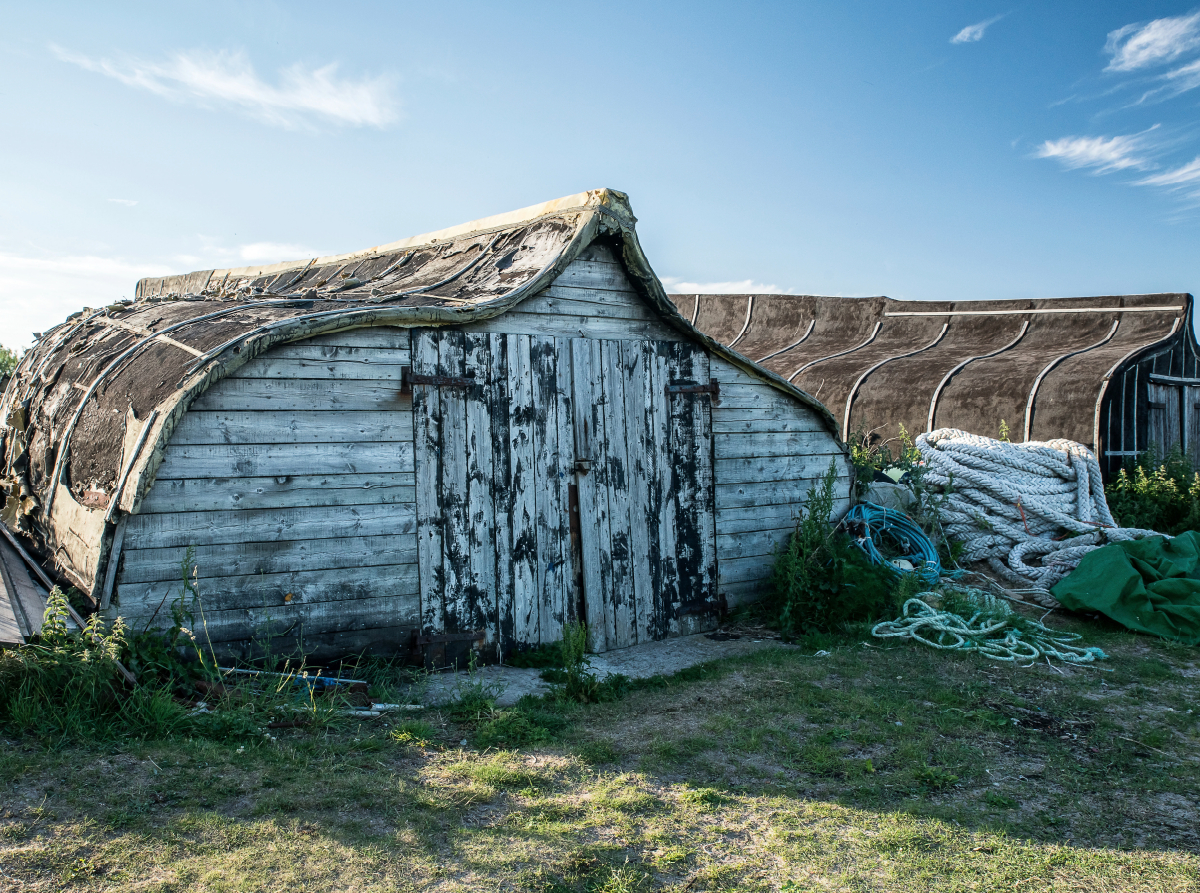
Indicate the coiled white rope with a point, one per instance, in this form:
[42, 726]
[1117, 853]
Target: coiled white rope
[1030, 510]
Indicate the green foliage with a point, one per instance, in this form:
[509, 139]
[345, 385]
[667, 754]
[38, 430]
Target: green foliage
[538, 658]
[518, 726]
[821, 580]
[171, 657]
[870, 455]
[67, 685]
[1162, 496]
[576, 680]
[8, 360]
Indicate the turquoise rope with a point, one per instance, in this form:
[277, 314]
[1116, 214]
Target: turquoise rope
[884, 522]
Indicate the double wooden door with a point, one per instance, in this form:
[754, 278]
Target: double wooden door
[562, 479]
[1173, 419]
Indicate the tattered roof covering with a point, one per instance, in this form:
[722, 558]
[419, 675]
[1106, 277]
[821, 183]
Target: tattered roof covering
[1039, 365]
[91, 406]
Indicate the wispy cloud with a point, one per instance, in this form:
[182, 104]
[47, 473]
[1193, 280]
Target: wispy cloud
[127, 202]
[228, 78]
[1183, 176]
[974, 33]
[1101, 154]
[1139, 45]
[744, 287]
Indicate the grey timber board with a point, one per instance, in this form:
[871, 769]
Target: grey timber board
[740, 570]
[193, 461]
[567, 593]
[500, 400]
[624, 598]
[522, 501]
[200, 528]
[605, 275]
[298, 619]
[456, 549]
[218, 494]
[289, 394]
[285, 556]
[640, 475]
[751, 543]
[427, 437]
[29, 599]
[588, 448]
[364, 356]
[480, 607]
[517, 322]
[340, 586]
[387, 369]
[295, 426]
[13, 628]
[375, 337]
[577, 302]
[549, 497]
[752, 421]
[667, 585]
[770, 444]
[791, 492]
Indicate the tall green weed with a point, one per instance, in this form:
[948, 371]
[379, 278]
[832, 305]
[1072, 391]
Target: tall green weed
[1157, 495]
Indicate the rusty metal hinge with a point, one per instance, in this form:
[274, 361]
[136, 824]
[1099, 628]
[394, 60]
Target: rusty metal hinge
[713, 387]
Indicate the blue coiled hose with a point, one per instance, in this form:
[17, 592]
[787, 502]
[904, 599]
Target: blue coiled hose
[883, 522]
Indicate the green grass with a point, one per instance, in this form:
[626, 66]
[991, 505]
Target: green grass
[878, 767]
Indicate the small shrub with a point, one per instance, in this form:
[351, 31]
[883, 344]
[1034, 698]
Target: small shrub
[414, 731]
[520, 726]
[8, 360]
[933, 778]
[821, 580]
[991, 798]
[1162, 496]
[576, 680]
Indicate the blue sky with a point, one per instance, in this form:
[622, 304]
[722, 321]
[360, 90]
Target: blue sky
[924, 151]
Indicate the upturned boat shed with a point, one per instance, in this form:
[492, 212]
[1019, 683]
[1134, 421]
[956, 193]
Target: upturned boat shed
[459, 440]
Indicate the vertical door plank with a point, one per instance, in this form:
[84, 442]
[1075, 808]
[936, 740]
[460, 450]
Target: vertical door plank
[426, 442]
[456, 545]
[545, 478]
[616, 468]
[499, 398]
[666, 622]
[566, 606]
[1191, 426]
[522, 509]
[639, 437]
[588, 450]
[481, 517]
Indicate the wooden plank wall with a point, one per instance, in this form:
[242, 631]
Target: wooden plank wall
[770, 450]
[294, 481]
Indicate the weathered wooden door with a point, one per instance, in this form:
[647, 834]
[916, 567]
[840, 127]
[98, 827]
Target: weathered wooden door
[510, 432]
[493, 451]
[644, 472]
[1164, 419]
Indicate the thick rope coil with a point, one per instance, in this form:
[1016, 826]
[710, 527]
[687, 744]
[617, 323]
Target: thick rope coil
[993, 631]
[1030, 510]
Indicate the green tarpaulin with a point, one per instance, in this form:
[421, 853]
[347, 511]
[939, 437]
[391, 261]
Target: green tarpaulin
[1151, 585]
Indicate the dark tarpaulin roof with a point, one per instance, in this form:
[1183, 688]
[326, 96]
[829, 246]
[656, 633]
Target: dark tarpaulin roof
[1041, 366]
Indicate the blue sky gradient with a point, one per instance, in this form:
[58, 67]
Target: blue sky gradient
[825, 148]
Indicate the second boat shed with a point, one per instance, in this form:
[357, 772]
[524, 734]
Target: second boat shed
[464, 439]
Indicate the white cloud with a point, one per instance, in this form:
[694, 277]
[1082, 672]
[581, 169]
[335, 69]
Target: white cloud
[1185, 175]
[228, 78]
[1103, 154]
[39, 292]
[974, 33]
[127, 202]
[1184, 78]
[677, 286]
[1154, 43]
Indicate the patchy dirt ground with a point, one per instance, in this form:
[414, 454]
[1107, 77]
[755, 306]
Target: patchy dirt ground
[877, 766]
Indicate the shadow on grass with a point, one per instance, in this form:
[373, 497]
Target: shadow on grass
[882, 766]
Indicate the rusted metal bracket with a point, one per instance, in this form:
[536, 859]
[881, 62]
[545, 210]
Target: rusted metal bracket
[713, 387]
